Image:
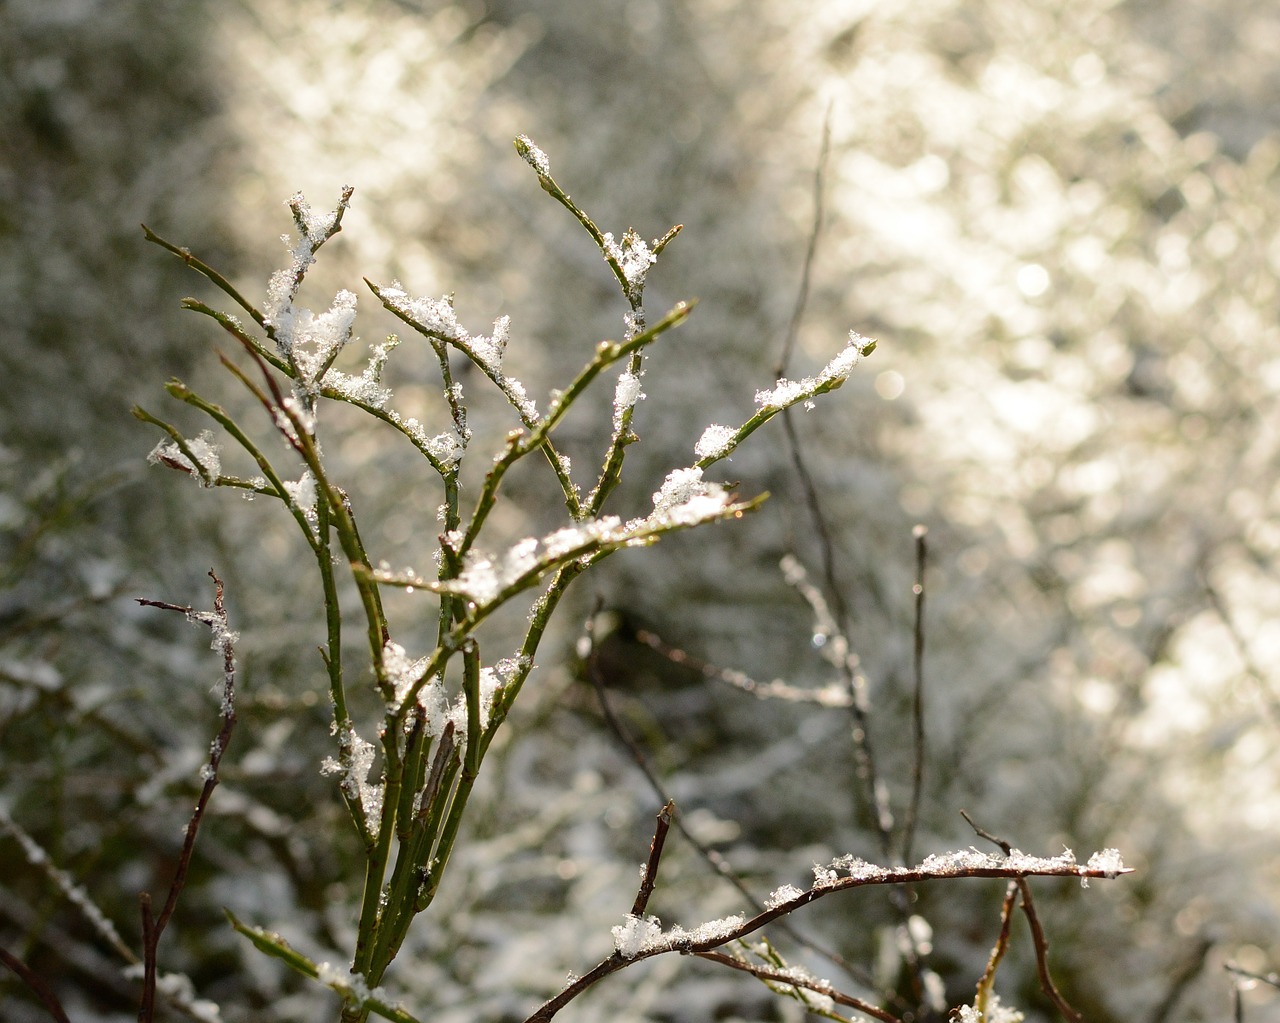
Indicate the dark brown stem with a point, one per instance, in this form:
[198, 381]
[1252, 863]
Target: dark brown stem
[37, 985]
[650, 878]
[153, 927]
[1038, 938]
[717, 862]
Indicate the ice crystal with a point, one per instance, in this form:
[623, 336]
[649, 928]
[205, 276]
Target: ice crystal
[356, 760]
[435, 316]
[632, 257]
[445, 448]
[349, 983]
[1109, 861]
[709, 934]
[788, 392]
[716, 442]
[782, 895]
[858, 868]
[637, 936]
[625, 395]
[996, 1013]
[314, 341]
[682, 486]
[532, 155]
[302, 495]
[402, 670]
[207, 454]
[484, 576]
[685, 499]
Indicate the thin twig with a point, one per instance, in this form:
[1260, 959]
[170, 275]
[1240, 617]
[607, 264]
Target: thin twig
[988, 979]
[38, 987]
[650, 877]
[1186, 972]
[153, 927]
[917, 709]
[815, 232]
[864, 756]
[689, 942]
[777, 689]
[1038, 938]
[1267, 978]
[717, 862]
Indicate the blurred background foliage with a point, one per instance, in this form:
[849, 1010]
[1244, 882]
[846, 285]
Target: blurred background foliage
[1059, 218]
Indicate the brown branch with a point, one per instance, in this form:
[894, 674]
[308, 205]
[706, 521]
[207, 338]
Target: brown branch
[690, 942]
[153, 927]
[717, 862]
[1038, 938]
[1267, 978]
[655, 854]
[36, 983]
[1186, 972]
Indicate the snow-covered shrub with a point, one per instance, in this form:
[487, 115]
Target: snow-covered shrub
[434, 717]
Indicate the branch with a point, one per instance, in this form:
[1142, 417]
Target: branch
[37, 985]
[1037, 931]
[153, 927]
[650, 878]
[966, 863]
[917, 708]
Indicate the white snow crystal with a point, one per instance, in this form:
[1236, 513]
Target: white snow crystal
[781, 895]
[484, 576]
[787, 392]
[996, 1013]
[1109, 861]
[680, 487]
[203, 448]
[859, 868]
[532, 155]
[716, 442]
[632, 256]
[302, 494]
[637, 935]
[355, 782]
[625, 395]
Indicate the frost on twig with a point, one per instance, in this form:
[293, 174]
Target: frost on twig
[199, 457]
[787, 392]
[683, 501]
[436, 320]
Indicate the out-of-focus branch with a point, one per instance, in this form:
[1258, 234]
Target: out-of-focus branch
[717, 862]
[38, 987]
[797, 978]
[917, 705]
